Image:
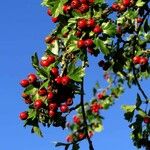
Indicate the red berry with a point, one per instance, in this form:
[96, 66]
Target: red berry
[69, 138]
[69, 101]
[58, 80]
[75, 4]
[81, 135]
[89, 42]
[32, 78]
[126, 2]
[84, 8]
[91, 23]
[121, 7]
[28, 101]
[80, 44]
[146, 120]
[52, 106]
[100, 95]
[54, 71]
[78, 33]
[136, 59]
[83, 1]
[42, 92]
[51, 59]
[49, 12]
[38, 104]
[97, 29]
[24, 83]
[76, 120]
[64, 108]
[48, 39]
[65, 80]
[82, 24]
[115, 7]
[50, 96]
[143, 61]
[51, 113]
[66, 8]
[25, 96]
[139, 20]
[56, 19]
[91, 1]
[23, 115]
[44, 62]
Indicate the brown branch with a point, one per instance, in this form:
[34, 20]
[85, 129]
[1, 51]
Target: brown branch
[84, 117]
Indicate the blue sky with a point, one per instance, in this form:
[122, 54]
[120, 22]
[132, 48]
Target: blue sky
[23, 26]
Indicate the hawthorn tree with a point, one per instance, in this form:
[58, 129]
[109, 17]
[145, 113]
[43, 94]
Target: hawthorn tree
[121, 34]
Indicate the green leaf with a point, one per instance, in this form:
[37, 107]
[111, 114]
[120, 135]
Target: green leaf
[128, 108]
[55, 48]
[37, 131]
[98, 128]
[100, 44]
[141, 113]
[138, 101]
[30, 90]
[32, 114]
[35, 61]
[109, 28]
[140, 3]
[57, 9]
[76, 73]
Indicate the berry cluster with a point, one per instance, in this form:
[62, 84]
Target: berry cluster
[54, 97]
[122, 6]
[140, 60]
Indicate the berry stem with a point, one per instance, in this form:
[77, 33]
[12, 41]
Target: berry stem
[84, 116]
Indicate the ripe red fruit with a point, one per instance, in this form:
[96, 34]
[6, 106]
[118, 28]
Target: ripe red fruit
[58, 80]
[83, 1]
[89, 42]
[100, 95]
[143, 60]
[25, 96]
[97, 29]
[136, 59]
[121, 7]
[91, 1]
[23, 115]
[126, 2]
[91, 23]
[76, 119]
[56, 19]
[82, 24]
[84, 8]
[38, 104]
[139, 20]
[80, 44]
[49, 12]
[44, 62]
[75, 4]
[146, 120]
[66, 8]
[81, 135]
[78, 33]
[69, 101]
[95, 107]
[51, 113]
[24, 83]
[51, 59]
[54, 71]
[42, 92]
[48, 39]
[28, 101]
[64, 108]
[32, 78]
[52, 106]
[65, 80]
[115, 7]
[50, 96]
[69, 138]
